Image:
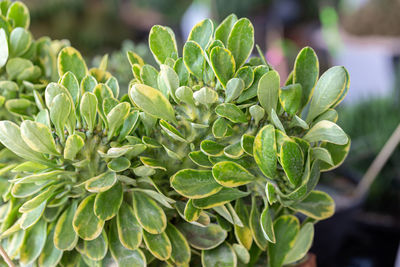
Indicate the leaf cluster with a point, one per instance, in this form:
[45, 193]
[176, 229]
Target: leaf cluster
[206, 159]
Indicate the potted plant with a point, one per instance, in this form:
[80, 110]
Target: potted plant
[206, 161]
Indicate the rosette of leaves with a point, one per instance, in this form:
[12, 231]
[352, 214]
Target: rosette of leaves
[73, 200]
[244, 154]
[26, 65]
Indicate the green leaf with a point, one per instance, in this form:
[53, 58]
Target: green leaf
[317, 205]
[276, 121]
[267, 226]
[69, 59]
[59, 111]
[107, 203]
[43, 117]
[286, 230]
[193, 57]
[39, 177]
[231, 112]
[329, 115]
[185, 94]
[116, 152]
[242, 253]
[223, 255]
[201, 33]
[241, 41]
[20, 41]
[38, 137]
[224, 195]
[298, 122]
[53, 90]
[31, 217]
[168, 81]
[10, 137]
[18, 13]
[224, 29]
[268, 90]
[180, 254]
[70, 82]
[65, 237]
[38, 200]
[129, 125]
[322, 154]
[264, 150]
[326, 131]
[4, 52]
[200, 159]
[149, 75]
[50, 255]
[152, 101]
[306, 71]
[172, 131]
[88, 84]
[18, 107]
[243, 233]
[119, 164]
[129, 229]
[302, 244]
[34, 242]
[134, 58]
[96, 249]
[290, 98]
[223, 64]
[233, 151]
[73, 145]
[195, 183]
[150, 216]
[234, 88]
[182, 72]
[328, 91]
[123, 256]
[292, 160]
[85, 222]
[152, 163]
[101, 183]
[247, 143]
[158, 245]
[247, 75]
[116, 118]
[220, 128]
[203, 238]
[23, 190]
[338, 154]
[88, 109]
[162, 44]
[104, 62]
[231, 174]
[15, 66]
[112, 82]
[191, 212]
[206, 96]
[255, 226]
[102, 92]
[211, 148]
[257, 113]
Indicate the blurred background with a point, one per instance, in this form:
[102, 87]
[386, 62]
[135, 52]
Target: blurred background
[362, 35]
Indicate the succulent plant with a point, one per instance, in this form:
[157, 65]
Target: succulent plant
[27, 65]
[207, 161]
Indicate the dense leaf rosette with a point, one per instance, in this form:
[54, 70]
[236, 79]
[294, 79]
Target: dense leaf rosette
[205, 161]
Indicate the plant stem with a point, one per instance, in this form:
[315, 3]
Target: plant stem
[378, 164]
[5, 257]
